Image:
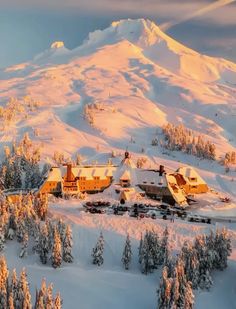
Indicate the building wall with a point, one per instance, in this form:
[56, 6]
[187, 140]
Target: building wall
[96, 184]
[195, 188]
[50, 187]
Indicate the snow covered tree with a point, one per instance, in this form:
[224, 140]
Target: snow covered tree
[20, 230]
[140, 249]
[67, 246]
[14, 288]
[164, 246]
[56, 250]
[205, 262]
[223, 248]
[3, 282]
[205, 280]
[189, 297]
[57, 301]
[10, 301]
[179, 138]
[191, 263]
[146, 255]
[24, 247]
[164, 291]
[49, 297]
[24, 296]
[2, 239]
[97, 253]
[43, 244]
[61, 227]
[127, 253]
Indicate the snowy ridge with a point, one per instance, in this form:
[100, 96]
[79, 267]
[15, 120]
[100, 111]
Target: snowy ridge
[135, 79]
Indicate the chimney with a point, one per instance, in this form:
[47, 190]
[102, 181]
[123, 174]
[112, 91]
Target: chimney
[69, 172]
[161, 170]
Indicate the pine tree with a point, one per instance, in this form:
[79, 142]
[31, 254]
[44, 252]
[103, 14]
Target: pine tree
[164, 291]
[205, 280]
[41, 295]
[223, 249]
[164, 246]
[127, 253]
[147, 263]
[49, 297]
[23, 292]
[21, 229]
[57, 301]
[140, 249]
[56, 250]
[14, 288]
[43, 245]
[61, 227]
[97, 253]
[2, 239]
[3, 282]
[189, 297]
[10, 301]
[24, 248]
[67, 246]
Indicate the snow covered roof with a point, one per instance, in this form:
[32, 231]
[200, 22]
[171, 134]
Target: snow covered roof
[55, 174]
[175, 190]
[125, 175]
[151, 178]
[94, 171]
[190, 175]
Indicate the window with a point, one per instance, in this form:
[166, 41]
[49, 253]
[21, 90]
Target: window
[192, 178]
[194, 187]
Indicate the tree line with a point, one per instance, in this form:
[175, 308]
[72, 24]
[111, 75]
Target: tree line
[20, 168]
[15, 293]
[180, 138]
[192, 268]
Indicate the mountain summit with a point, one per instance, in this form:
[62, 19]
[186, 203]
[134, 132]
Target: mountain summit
[126, 80]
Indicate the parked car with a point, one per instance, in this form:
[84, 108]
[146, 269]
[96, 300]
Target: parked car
[197, 218]
[94, 210]
[152, 214]
[120, 210]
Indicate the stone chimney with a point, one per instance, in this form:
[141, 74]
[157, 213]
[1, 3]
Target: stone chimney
[161, 170]
[69, 175]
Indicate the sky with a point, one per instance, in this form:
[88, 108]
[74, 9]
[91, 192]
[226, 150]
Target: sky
[27, 27]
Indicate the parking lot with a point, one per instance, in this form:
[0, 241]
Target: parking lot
[141, 211]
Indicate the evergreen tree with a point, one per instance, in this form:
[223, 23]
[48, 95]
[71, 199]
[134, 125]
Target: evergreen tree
[189, 297]
[43, 245]
[57, 301]
[24, 248]
[164, 246]
[56, 250]
[14, 288]
[127, 253]
[20, 230]
[10, 301]
[164, 291]
[24, 296]
[67, 246]
[140, 249]
[49, 297]
[147, 263]
[3, 282]
[2, 239]
[97, 253]
[223, 249]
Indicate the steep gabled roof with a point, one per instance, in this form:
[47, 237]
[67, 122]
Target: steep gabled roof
[188, 172]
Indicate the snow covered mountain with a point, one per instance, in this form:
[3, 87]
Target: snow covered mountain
[135, 78]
